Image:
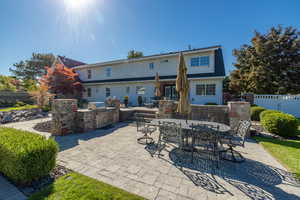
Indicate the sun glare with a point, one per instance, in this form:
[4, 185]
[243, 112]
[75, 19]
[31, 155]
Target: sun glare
[77, 5]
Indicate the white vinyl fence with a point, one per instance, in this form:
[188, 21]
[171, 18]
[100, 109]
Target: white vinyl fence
[286, 103]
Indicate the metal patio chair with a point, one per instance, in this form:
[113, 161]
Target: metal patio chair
[205, 140]
[145, 128]
[169, 132]
[237, 138]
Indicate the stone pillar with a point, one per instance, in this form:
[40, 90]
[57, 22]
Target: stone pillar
[238, 110]
[249, 98]
[63, 116]
[166, 108]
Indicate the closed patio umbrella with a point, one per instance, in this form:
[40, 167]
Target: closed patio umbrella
[182, 87]
[157, 85]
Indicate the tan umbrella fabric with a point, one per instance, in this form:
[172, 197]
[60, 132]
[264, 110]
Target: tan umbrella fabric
[182, 87]
[157, 85]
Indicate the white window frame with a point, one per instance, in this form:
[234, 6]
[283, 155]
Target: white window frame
[205, 89]
[127, 89]
[89, 74]
[151, 66]
[108, 71]
[200, 60]
[89, 92]
[107, 91]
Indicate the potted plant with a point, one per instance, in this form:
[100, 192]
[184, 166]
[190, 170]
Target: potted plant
[126, 101]
[140, 100]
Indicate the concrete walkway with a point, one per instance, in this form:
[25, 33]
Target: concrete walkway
[9, 192]
[113, 156]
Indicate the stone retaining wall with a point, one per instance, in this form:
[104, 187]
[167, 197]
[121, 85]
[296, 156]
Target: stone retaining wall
[21, 115]
[10, 98]
[66, 118]
[216, 113]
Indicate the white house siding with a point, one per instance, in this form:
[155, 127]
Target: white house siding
[118, 90]
[132, 69]
[197, 99]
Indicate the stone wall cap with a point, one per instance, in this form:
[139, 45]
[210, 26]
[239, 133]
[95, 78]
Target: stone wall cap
[238, 102]
[65, 99]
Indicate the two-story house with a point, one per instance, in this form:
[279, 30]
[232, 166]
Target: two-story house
[136, 77]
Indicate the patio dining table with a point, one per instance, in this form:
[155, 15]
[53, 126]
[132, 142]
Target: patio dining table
[187, 124]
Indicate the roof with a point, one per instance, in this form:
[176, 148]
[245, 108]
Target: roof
[70, 63]
[173, 53]
[219, 72]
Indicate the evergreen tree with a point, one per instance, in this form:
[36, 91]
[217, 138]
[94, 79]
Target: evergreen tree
[270, 65]
[134, 54]
[33, 68]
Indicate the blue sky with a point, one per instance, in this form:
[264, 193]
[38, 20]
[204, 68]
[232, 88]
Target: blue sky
[101, 30]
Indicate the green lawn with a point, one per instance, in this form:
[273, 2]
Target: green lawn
[76, 186]
[286, 151]
[19, 108]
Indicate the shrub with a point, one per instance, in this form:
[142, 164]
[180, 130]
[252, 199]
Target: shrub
[255, 111]
[19, 104]
[266, 112]
[211, 104]
[25, 156]
[281, 124]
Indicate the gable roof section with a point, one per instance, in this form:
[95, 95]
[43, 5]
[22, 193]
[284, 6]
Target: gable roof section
[219, 72]
[70, 63]
[174, 53]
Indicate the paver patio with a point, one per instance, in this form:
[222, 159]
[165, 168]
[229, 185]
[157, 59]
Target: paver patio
[114, 156]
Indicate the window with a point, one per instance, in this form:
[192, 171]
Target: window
[164, 61]
[200, 89]
[107, 92]
[206, 90]
[89, 74]
[127, 90]
[195, 62]
[200, 61]
[211, 89]
[89, 92]
[204, 60]
[108, 72]
[151, 66]
[140, 90]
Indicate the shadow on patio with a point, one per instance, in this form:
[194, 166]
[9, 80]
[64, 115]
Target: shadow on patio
[72, 140]
[256, 180]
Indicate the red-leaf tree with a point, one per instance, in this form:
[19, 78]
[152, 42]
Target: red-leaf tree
[63, 81]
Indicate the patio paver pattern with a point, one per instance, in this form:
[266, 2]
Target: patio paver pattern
[114, 156]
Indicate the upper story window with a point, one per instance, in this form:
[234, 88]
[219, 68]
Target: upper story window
[108, 72]
[89, 73]
[151, 66]
[107, 92]
[89, 92]
[200, 61]
[206, 89]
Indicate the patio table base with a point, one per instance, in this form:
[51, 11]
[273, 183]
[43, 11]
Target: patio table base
[145, 140]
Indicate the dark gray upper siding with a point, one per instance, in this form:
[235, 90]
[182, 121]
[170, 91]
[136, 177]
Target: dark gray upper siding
[219, 72]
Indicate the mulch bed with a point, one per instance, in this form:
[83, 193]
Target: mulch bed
[36, 186]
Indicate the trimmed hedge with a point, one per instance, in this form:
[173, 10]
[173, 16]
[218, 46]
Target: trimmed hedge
[266, 112]
[26, 156]
[255, 111]
[282, 124]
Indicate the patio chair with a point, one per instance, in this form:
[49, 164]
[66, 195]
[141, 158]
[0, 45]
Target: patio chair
[206, 137]
[169, 132]
[237, 138]
[146, 129]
